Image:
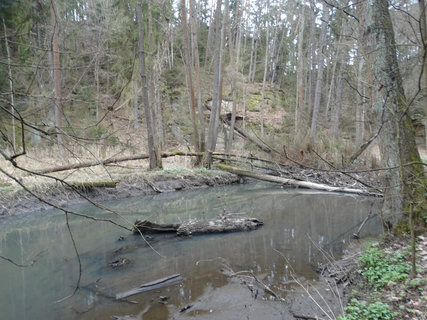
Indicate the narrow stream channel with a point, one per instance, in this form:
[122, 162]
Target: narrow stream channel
[292, 217]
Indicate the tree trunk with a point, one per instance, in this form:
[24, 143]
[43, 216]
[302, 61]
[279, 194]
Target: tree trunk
[360, 104]
[406, 186]
[319, 80]
[300, 75]
[56, 75]
[141, 52]
[216, 96]
[151, 84]
[9, 73]
[251, 61]
[293, 182]
[423, 29]
[193, 24]
[212, 22]
[234, 79]
[135, 103]
[264, 79]
[188, 69]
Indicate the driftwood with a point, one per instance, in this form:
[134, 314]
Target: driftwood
[293, 182]
[221, 224]
[156, 284]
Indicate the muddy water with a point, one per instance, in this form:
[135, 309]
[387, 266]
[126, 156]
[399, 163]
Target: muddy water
[295, 221]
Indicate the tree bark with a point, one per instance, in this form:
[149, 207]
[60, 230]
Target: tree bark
[217, 90]
[9, 73]
[188, 69]
[135, 104]
[141, 52]
[360, 104]
[264, 79]
[319, 80]
[56, 75]
[300, 76]
[234, 78]
[198, 89]
[407, 185]
[423, 29]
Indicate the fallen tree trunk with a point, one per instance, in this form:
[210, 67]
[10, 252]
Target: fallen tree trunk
[151, 227]
[157, 284]
[218, 225]
[86, 164]
[296, 183]
[221, 224]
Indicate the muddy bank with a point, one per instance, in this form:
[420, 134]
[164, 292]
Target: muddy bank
[19, 201]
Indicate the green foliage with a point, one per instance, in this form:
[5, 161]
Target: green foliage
[379, 267]
[361, 310]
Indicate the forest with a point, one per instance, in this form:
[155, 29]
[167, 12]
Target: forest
[306, 80]
[254, 86]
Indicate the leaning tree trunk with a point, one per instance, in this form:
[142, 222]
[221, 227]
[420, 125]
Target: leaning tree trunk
[149, 121]
[405, 181]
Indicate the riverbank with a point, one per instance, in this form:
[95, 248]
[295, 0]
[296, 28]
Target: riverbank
[344, 291]
[15, 200]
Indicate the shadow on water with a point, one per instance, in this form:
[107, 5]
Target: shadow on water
[291, 218]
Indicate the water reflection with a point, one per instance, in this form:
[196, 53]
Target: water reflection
[295, 223]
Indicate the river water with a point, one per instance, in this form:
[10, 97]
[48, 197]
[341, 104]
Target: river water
[296, 222]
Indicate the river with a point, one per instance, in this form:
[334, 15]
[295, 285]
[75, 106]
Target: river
[296, 222]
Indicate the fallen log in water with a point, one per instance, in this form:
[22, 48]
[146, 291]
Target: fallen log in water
[221, 224]
[295, 183]
[151, 227]
[156, 284]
